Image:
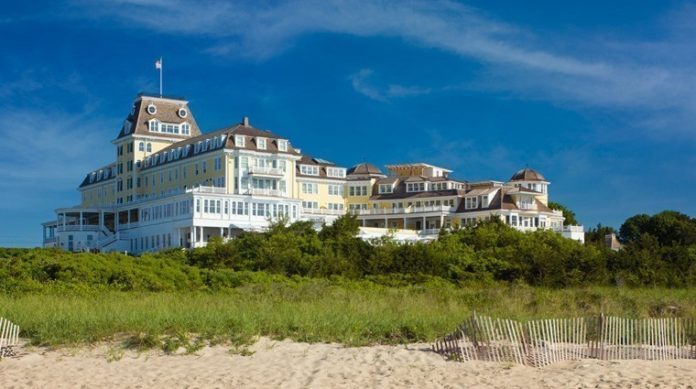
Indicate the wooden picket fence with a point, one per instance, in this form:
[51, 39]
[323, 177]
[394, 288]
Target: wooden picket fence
[9, 336]
[541, 342]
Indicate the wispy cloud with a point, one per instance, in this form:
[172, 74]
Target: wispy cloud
[363, 84]
[47, 147]
[655, 84]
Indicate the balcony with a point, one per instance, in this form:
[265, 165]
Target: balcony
[322, 211]
[265, 192]
[400, 211]
[207, 189]
[266, 171]
[526, 206]
[77, 227]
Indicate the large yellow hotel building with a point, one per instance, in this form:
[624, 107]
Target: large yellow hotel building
[172, 185]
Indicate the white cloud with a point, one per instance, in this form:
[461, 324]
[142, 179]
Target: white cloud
[361, 83]
[654, 79]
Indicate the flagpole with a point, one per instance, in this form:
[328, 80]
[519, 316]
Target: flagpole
[160, 69]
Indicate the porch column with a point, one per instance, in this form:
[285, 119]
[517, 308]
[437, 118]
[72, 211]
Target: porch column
[80, 220]
[221, 232]
[44, 233]
[128, 217]
[442, 221]
[193, 236]
[386, 225]
[63, 218]
[404, 226]
[424, 226]
[101, 218]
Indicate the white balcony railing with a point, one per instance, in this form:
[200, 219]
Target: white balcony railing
[322, 211]
[207, 189]
[265, 192]
[266, 171]
[77, 227]
[408, 210]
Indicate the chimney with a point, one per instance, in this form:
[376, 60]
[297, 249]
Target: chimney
[245, 121]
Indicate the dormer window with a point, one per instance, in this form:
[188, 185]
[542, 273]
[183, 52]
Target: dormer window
[415, 187]
[282, 145]
[337, 172]
[127, 127]
[385, 188]
[484, 201]
[153, 125]
[185, 128]
[182, 112]
[309, 170]
[471, 202]
[261, 143]
[239, 140]
[151, 109]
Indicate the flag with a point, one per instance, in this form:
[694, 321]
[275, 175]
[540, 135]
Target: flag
[158, 64]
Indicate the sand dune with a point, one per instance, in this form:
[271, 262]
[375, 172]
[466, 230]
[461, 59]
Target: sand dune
[287, 364]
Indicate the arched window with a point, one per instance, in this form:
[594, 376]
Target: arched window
[149, 147]
[141, 146]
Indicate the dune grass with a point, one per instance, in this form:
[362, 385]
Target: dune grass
[311, 310]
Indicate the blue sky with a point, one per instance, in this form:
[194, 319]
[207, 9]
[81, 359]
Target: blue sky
[598, 96]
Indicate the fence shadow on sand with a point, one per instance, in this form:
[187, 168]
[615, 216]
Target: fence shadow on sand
[541, 342]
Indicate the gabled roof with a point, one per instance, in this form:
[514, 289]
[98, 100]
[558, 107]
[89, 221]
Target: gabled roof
[321, 163]
[228, 136]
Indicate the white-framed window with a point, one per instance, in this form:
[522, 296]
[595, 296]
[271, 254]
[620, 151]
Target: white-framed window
[169, 128]
[338, 172]
[415, 186]
[310, 188]
[335, 190]
[471, 202]
[260, 143]
[309, 170]
[310, 205]
[185, 128]
[218, 163]
[357, 190]
[386, 188]
[484, 201]
[239, 140]
[335, 206]
[282, 145]
[153, 125]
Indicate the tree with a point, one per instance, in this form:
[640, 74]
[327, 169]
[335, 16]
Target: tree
[597, 235]
[668, 227]
[567, 214]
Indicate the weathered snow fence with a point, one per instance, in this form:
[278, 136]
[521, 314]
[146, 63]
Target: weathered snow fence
[541, 342]
[9, 335]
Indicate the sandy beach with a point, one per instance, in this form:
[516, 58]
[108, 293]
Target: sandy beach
[287, 364]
